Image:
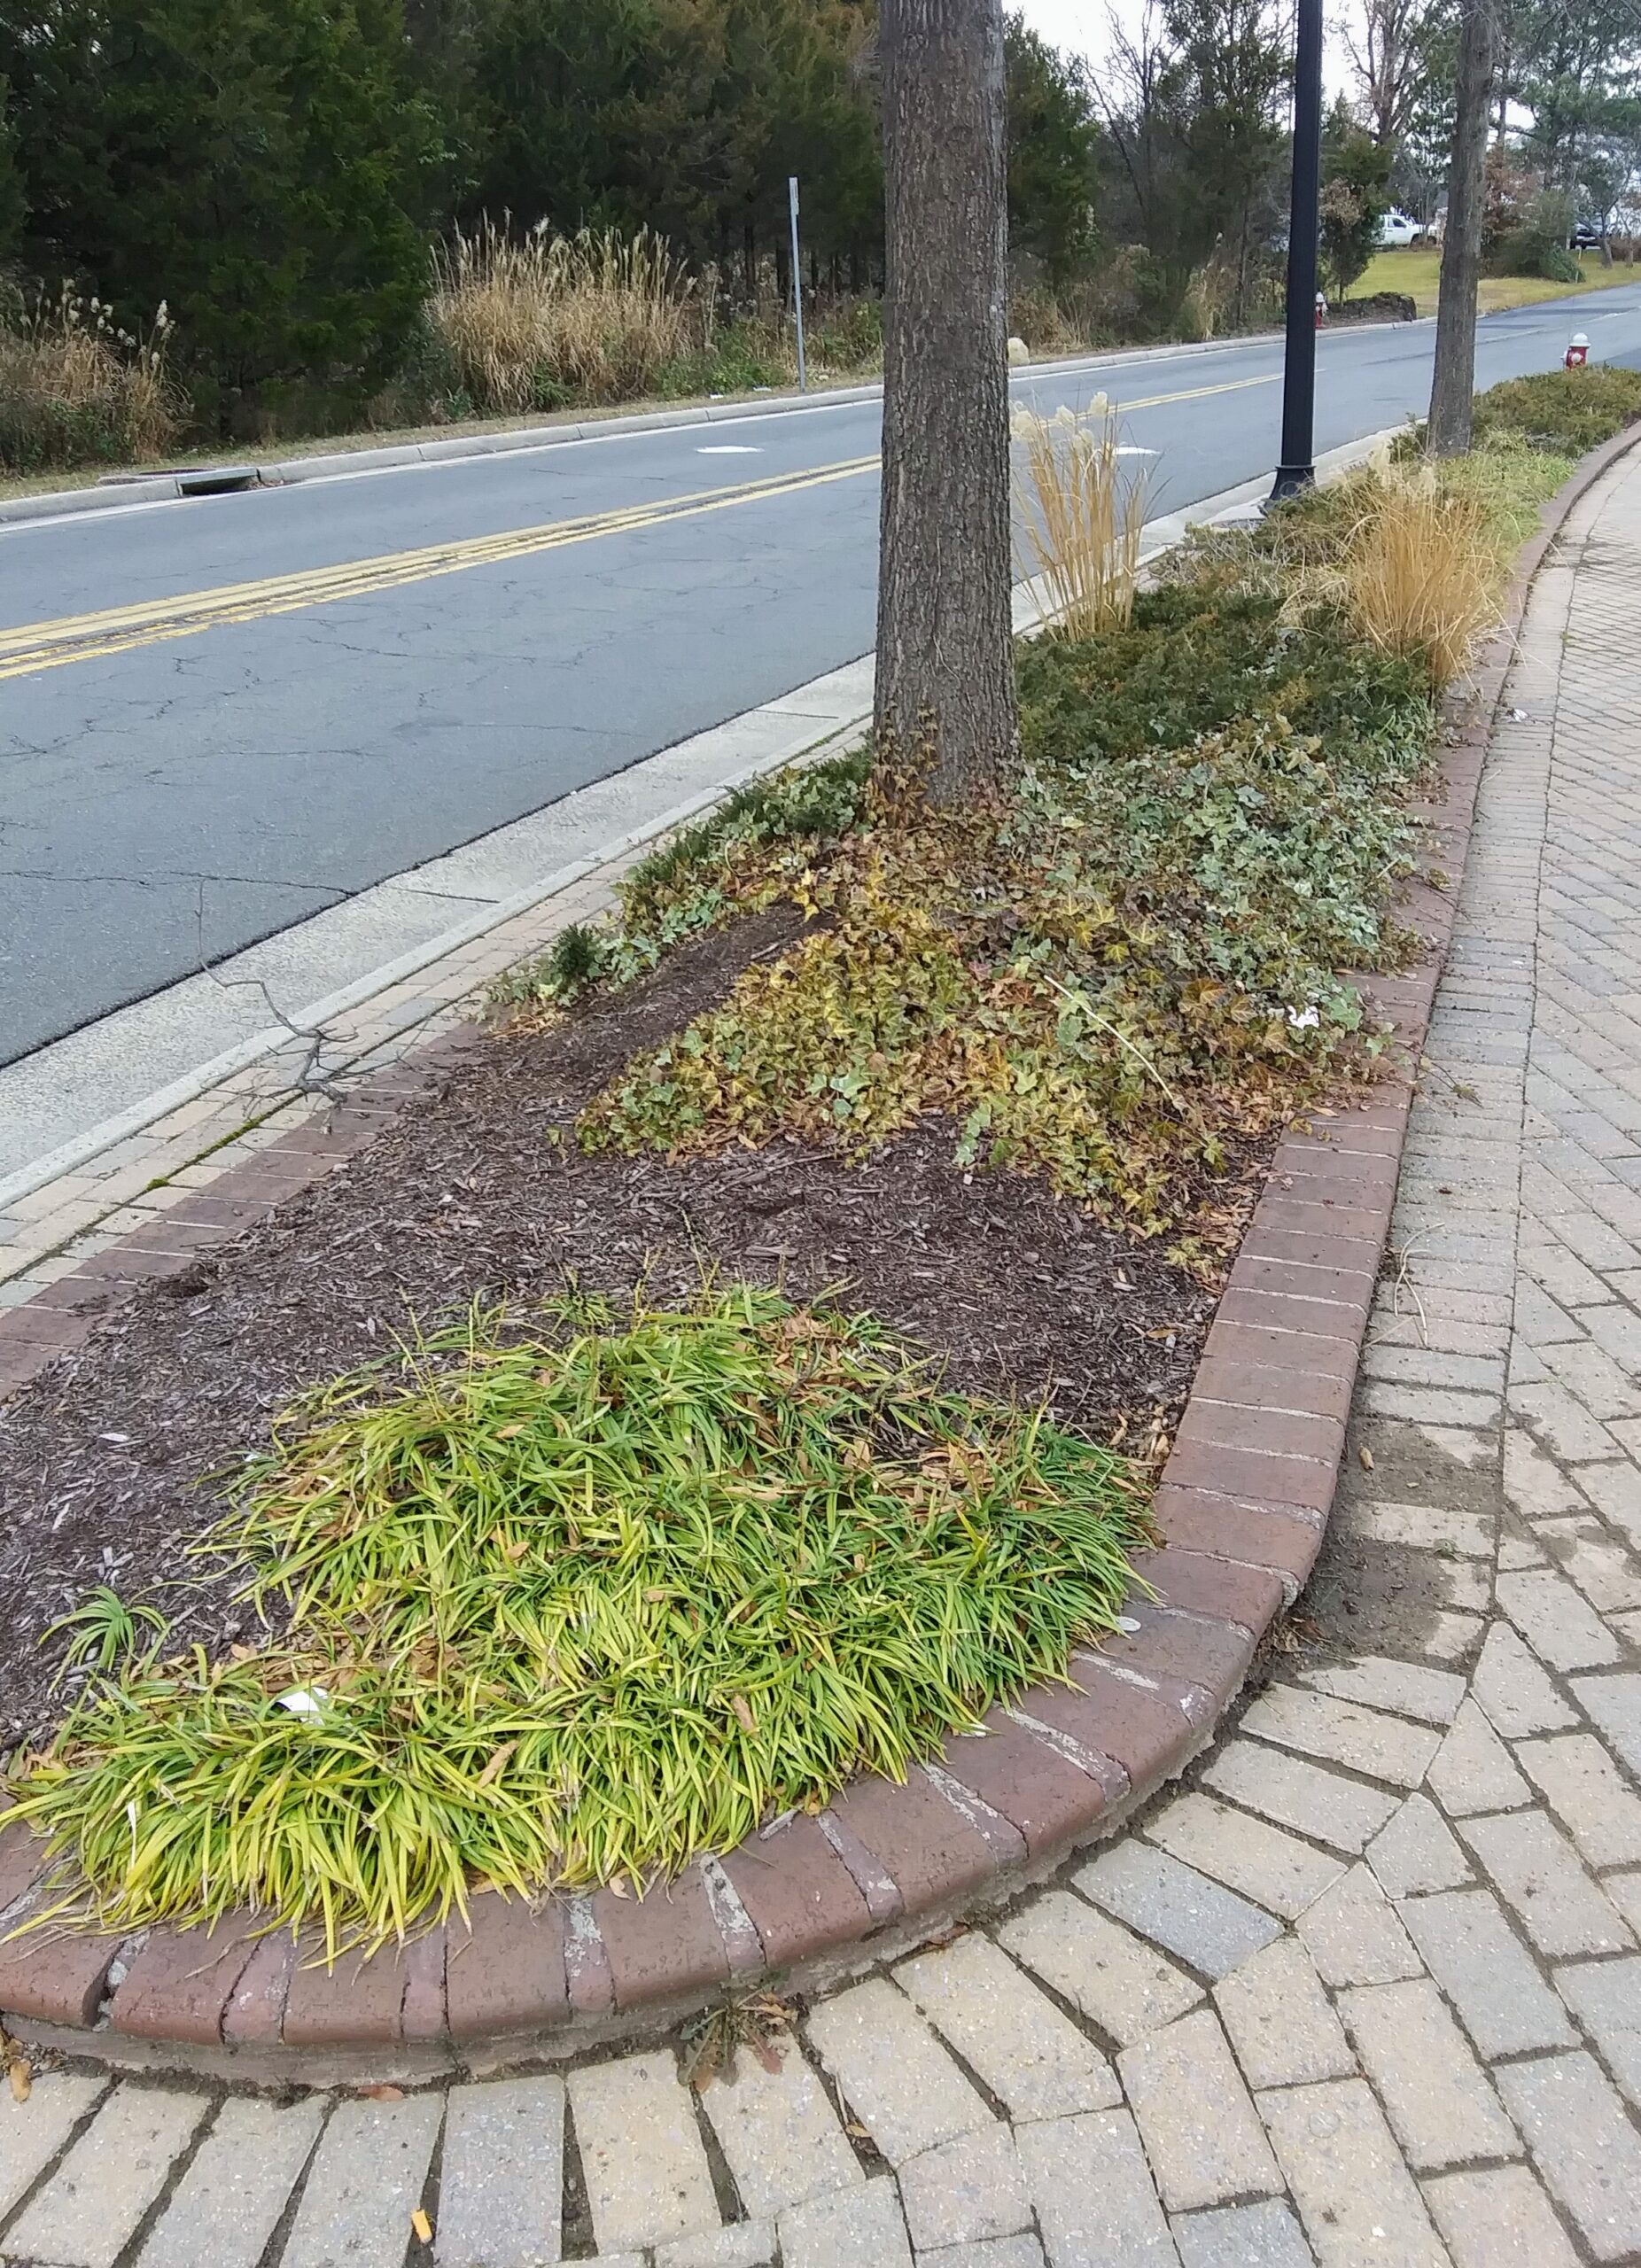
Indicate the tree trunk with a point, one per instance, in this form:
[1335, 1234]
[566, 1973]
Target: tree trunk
[944, 647]
[1452, 386]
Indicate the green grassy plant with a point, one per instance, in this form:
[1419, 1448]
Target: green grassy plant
[573, 1595]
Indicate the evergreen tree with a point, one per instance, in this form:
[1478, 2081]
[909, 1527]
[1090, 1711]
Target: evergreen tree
[1355, 175]
[1053, 155]
[262, 168]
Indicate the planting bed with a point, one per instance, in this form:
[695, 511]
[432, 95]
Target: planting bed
[481, 1190]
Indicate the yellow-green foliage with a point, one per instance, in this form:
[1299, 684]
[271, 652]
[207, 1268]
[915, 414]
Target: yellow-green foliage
[1113, 978]
[574, 1594]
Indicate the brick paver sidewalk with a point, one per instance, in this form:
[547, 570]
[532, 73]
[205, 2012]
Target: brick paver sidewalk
[1368, 1990]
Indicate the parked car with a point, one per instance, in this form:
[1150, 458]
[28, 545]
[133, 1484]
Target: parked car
[1396, 230]
[1586, 234]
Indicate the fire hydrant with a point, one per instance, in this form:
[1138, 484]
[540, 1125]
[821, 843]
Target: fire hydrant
[1578, 352]
[1321, 309]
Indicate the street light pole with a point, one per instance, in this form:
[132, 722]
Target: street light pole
[1296, 470]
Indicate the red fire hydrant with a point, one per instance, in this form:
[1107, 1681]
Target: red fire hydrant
[1578, 352]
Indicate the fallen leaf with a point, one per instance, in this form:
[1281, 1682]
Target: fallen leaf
[423, 2226]
[496, 1762]
[382, 2093]
[1366, 1456]
[743, 1714]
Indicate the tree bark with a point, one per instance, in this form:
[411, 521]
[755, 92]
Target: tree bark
[945, 644]
[1452, 386]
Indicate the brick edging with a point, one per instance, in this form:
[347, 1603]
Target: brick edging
[1241, 1510]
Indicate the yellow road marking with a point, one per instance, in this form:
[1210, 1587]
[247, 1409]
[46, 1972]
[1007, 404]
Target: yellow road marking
[37, 646]
[117, 630]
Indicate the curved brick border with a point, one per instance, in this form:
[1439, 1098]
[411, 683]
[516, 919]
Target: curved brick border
[1241, 1508]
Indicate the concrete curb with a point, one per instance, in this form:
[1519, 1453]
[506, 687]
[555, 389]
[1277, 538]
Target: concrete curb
[1241, 1510]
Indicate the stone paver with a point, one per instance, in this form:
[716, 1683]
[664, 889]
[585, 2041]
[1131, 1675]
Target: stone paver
[366, 2179]
[967, 2192]
[1435, 2093]
[1606, 1997]
[1500, 2218]
[642, 2160]
[1417, 1851]
[749, 2244]
[501, 2179]
[780, 2134]
[1095, 2203]
[1540, 1874]
[1584, 1787]
[1242, 2236]
[1586, 2148]
[1327, 1805]
[32, 2132]
[1474, 1955]
[893, 2072]
[1343, 1732]
[1182, 1910]
[1281, 2024]
[228, 2204]
[1011, 2035]
[90, 2208]
[1117, 1982]
[1353, 1935]
[1355, 2197]
[1201, 2135]
[851, 2228]
[1275, 1870]
[1473, 1771]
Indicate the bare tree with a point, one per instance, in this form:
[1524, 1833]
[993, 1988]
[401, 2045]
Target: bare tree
[944, 645]
[1385, 46]
[1452, 386]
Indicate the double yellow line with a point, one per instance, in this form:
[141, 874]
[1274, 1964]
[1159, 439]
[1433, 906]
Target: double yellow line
[116, 630]
[36, 646]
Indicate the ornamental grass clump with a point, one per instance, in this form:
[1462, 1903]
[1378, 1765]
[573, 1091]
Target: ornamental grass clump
[1078, 520]
[569, 1596]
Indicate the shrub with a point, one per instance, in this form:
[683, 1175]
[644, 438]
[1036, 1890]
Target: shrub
[1535, 242]
[574, 1594]
[1568, 411]
[75, 388]
[532, 321]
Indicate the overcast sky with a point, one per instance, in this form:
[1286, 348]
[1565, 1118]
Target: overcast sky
[1080, 26]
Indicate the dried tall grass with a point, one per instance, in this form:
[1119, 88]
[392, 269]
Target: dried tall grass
[1077, 520]
[77, 388]
[594, 316]
[1421, 569]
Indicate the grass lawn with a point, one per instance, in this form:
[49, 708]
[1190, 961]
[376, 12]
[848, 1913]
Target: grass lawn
[1416, 269]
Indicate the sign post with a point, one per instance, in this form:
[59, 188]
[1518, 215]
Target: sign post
[797, 285]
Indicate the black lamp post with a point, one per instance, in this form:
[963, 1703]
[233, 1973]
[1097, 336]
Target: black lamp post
[1296, 470]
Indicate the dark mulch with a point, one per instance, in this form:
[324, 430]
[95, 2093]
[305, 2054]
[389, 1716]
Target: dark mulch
[102, 1457]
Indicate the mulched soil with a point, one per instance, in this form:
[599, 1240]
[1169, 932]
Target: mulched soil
[103, 1456]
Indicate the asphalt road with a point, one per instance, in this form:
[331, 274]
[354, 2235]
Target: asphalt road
[290, 695]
